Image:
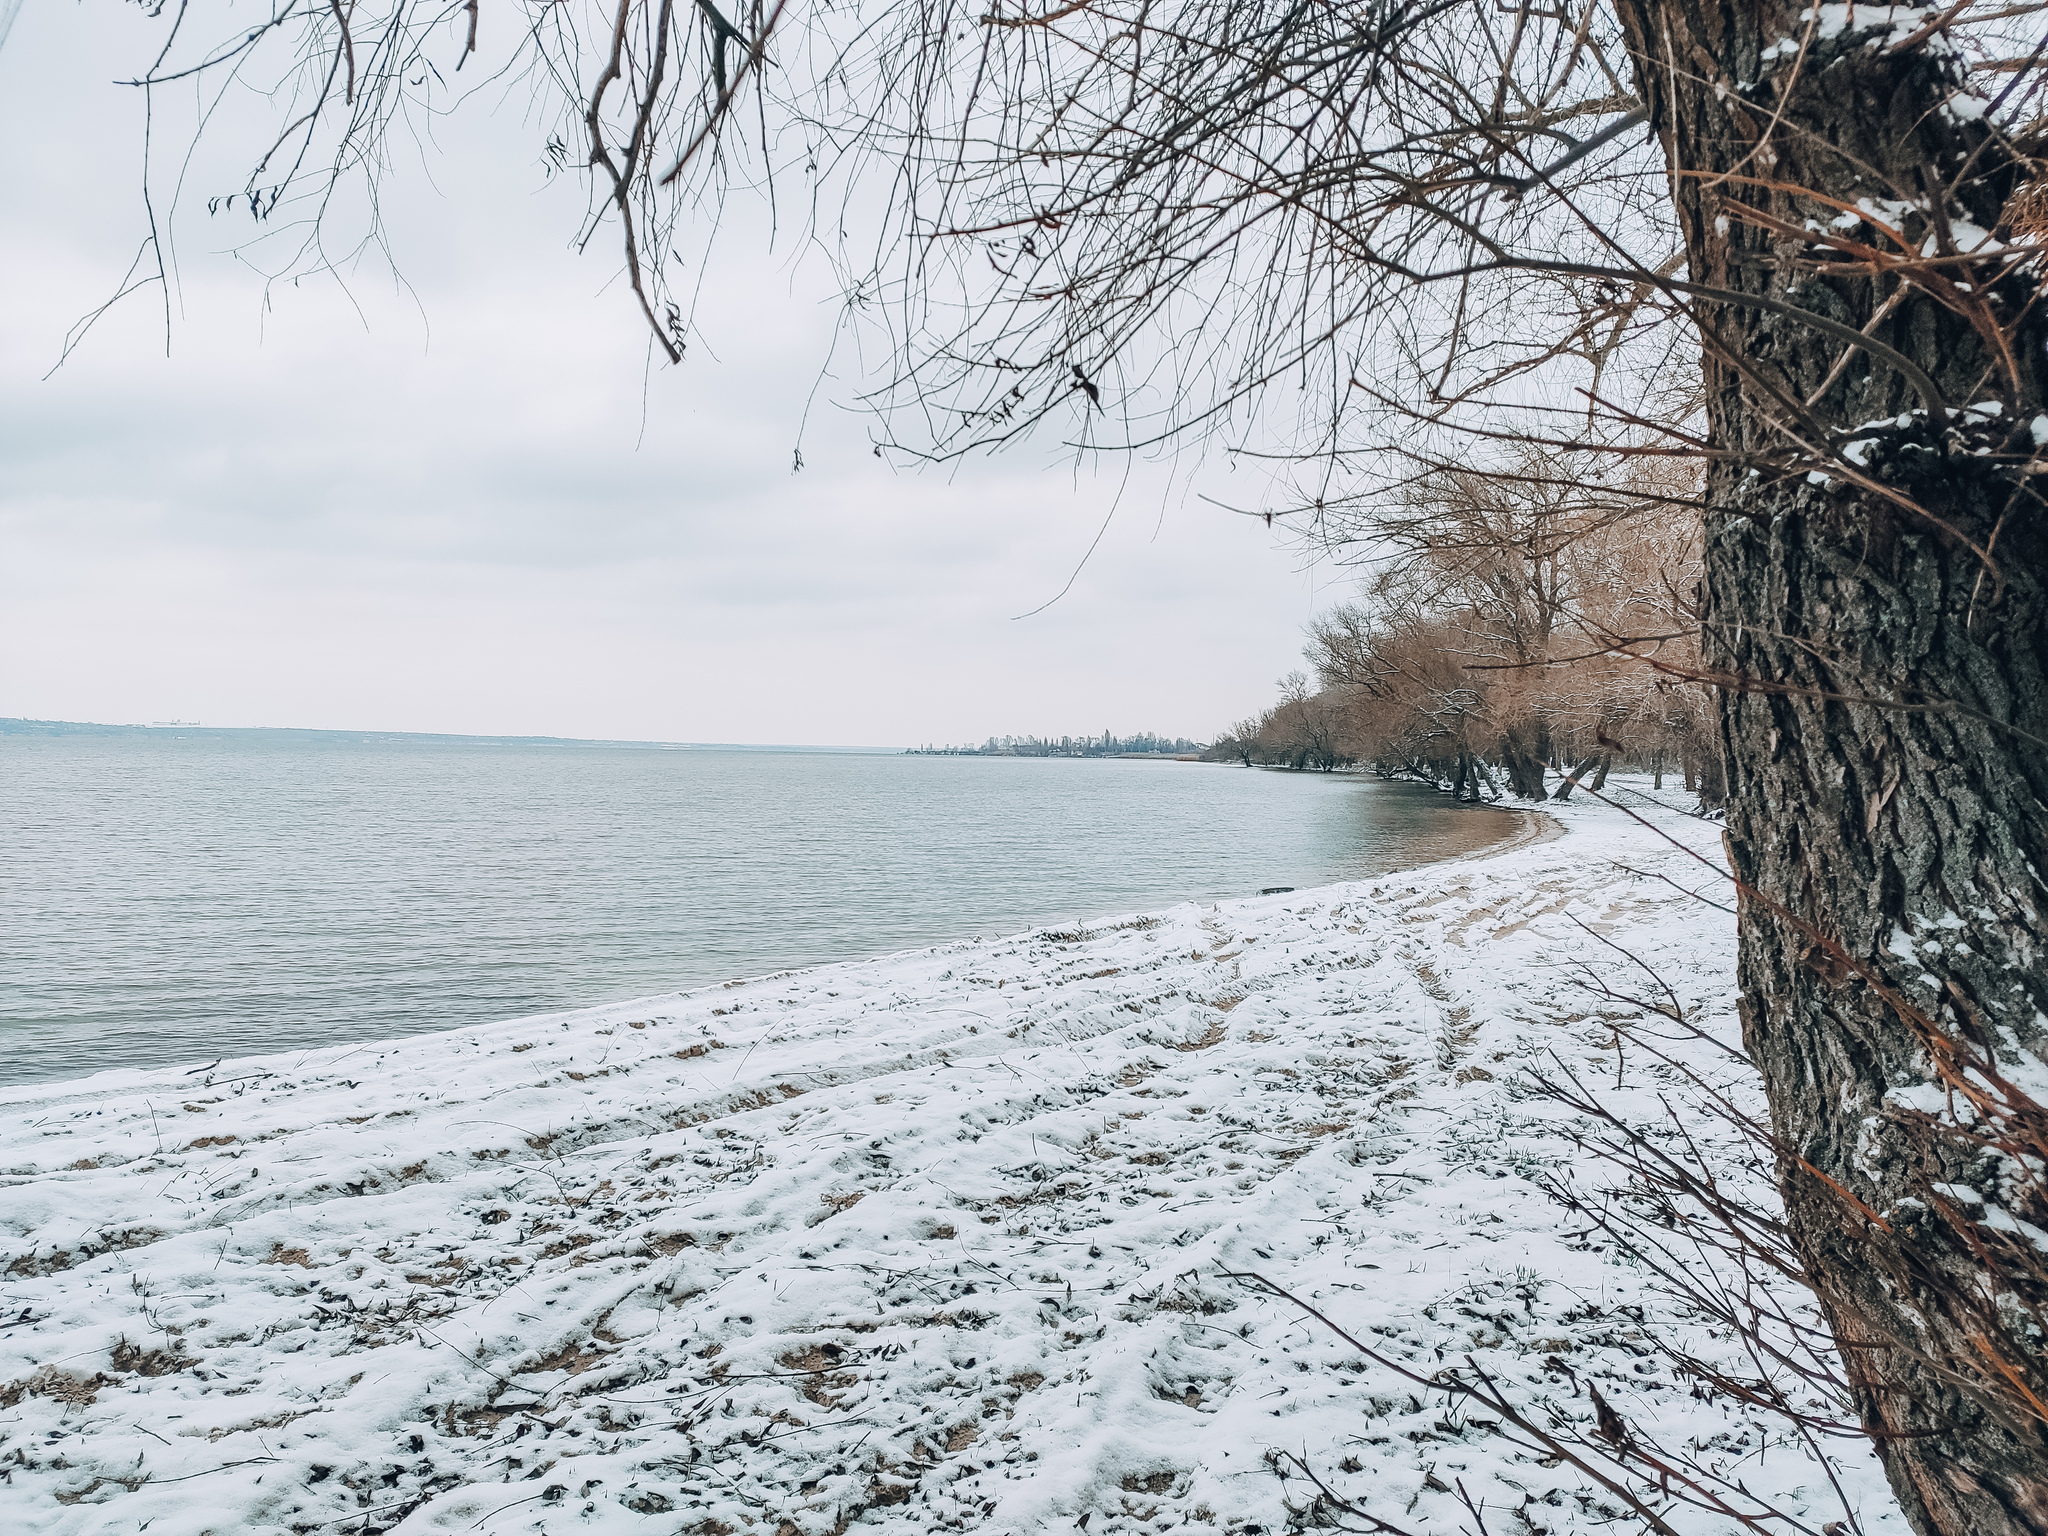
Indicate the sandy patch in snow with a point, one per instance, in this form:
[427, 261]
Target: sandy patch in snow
[930, 1242]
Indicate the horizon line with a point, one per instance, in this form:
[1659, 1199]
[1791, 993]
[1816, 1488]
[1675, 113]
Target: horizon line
[23, 725]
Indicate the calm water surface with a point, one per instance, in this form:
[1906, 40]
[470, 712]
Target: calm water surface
[167, 900]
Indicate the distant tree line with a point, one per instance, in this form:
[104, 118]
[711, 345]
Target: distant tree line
[1537, 618]
[1105, 745]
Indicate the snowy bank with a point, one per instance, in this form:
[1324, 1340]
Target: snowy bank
[940, 1241]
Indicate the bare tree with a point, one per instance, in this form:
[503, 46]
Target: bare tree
[1242, 741]
[1306, 729]
[1413, 707]
[1333, 239]
[1539, 608]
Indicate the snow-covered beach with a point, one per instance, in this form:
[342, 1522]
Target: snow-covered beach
[943, 1240]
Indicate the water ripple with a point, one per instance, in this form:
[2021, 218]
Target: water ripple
[177, 899]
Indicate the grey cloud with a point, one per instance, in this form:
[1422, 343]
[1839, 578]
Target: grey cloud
[313, 515]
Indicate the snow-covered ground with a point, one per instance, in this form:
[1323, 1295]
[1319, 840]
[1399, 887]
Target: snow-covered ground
[938, 1241]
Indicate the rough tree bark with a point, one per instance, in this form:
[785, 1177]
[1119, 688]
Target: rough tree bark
[1522, 757]
[1574, 776]
[1893, 858]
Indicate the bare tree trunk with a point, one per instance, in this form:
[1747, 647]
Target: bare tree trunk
[1468, 779]
[1712, 785]
[1488, 788]
[1523, 760]
[1572, 778]
[1893, 858]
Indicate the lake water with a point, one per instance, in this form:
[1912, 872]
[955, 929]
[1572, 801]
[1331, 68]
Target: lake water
[168, 899]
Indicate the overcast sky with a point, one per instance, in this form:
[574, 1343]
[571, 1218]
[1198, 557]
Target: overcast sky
[438, 511]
